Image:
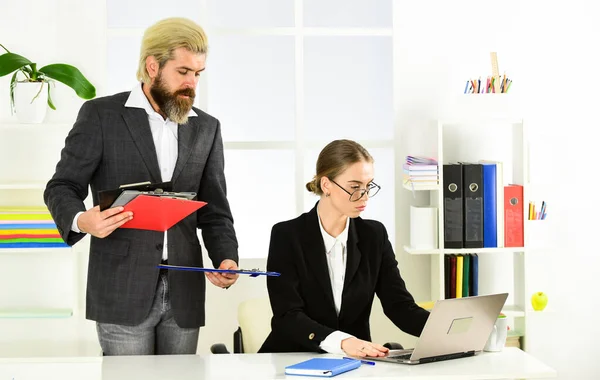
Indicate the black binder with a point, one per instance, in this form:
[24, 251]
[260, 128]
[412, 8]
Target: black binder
[473, 205]
[453, 206]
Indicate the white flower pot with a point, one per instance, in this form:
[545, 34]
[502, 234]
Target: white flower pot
[31, 103]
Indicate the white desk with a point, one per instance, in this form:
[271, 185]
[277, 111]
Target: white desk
[511, 363]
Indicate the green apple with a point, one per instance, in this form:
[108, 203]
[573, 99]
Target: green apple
[539, 300]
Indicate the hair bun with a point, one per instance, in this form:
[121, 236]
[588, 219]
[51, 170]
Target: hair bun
[312, 186]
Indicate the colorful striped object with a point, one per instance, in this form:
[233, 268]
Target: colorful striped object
[28, 227]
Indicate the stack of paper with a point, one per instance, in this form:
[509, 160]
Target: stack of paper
[420, 172]
[28, 227]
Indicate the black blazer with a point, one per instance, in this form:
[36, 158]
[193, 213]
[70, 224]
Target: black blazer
[111, 145]
[302, 299]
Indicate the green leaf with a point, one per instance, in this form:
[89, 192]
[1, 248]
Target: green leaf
[10, 62]
[50, 104]
[72, 77]
[13, 83]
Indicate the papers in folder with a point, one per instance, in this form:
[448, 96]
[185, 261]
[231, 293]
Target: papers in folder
[154, 206]
[250, 272]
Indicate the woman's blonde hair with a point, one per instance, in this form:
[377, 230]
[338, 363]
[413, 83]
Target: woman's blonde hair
[336, 157]
[162, 38]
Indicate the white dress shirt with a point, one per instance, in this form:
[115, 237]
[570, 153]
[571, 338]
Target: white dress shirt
[164, 134]
[335, 250]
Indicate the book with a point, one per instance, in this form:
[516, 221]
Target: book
[420, 168]
[459, 275]
[466, 272]
[322, 367]
[420, 160]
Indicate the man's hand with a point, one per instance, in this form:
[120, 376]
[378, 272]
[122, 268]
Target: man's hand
[224, 280]
[102, 223]
[362, 348]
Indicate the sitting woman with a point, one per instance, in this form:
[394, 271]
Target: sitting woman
[332, 263]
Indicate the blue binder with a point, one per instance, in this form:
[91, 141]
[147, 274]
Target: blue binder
[490, 216]
[322, 367]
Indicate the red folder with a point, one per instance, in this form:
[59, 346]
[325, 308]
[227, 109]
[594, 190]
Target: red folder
[513, 216]
[157, 213]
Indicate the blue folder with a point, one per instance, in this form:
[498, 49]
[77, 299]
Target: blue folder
[322, 367]
[251, 272]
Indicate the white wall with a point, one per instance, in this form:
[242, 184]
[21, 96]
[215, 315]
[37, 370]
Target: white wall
[548, 50]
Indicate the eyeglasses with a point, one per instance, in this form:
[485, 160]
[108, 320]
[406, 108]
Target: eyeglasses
[371, 190]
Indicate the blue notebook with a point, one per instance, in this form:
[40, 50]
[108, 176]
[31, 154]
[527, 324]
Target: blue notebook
[322, 367]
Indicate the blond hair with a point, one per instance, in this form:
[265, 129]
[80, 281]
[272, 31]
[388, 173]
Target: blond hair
[336, 157]
[162, 38]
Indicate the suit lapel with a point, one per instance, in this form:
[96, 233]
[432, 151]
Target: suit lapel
[314, 249]
[353, 257]
[186, 140]
[139, 127]
[353, 254]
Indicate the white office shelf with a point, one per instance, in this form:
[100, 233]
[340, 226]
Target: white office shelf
[35, 250]
[480, 120]
[470, 139]
[408, 186]
[21, 313]
[450, 251]
[23, 186]
[39, 297]
[513, 311]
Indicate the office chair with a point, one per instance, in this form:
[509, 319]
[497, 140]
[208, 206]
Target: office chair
[254, 319]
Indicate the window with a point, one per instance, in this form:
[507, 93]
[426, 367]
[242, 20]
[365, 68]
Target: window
[284, 77]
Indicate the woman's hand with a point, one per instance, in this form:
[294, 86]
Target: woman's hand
[362, 348]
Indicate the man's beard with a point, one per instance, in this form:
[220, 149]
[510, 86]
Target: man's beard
[176, 108]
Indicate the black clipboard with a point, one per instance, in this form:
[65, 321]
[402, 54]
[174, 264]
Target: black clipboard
[107, 197]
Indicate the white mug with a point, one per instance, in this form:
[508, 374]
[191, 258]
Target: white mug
[497, 338]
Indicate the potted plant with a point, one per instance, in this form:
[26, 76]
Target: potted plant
[30, 94]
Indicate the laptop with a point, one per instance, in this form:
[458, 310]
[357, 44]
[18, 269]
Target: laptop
[456, 328]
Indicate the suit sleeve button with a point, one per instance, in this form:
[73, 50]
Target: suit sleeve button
[311, 336]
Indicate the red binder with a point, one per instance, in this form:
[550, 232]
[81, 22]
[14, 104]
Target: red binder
[157, 213]
[513, 216]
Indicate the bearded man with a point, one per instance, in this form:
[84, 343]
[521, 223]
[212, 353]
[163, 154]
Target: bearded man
[152, 133]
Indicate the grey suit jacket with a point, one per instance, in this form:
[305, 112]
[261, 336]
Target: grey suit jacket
[110, 145]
